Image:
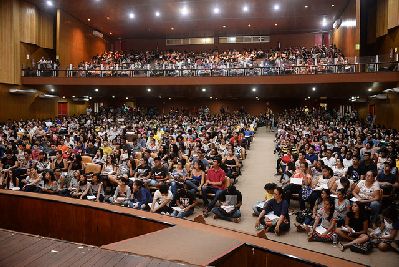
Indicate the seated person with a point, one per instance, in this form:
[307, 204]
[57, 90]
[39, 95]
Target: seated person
[81, 187]
[179, 174]
[259, 206]
[213, 184]
[185, 202]
[159, 174]
[94, 190]
[162, 199]
[309, 220]
[122, 192]
[109, 170]
[280, 221]
[197, 178]
[342, 206]
[143, 171]
[141, 196]
[231, 201]
[356, 224]
[324, 225]
[9, 180]
[368, 192]
[388, 181]
[342, 183]
[34, 181]
[50, 185]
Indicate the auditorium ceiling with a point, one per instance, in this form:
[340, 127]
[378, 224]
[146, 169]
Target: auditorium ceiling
[201, 18]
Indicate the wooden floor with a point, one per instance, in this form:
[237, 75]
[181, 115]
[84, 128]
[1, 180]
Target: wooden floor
[19, 249]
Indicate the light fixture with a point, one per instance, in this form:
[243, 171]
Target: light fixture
[314, 89]
[254, 89]
[88, 19]
[369, 89]
[308, 97]
[210, 97]
[276, 7]
[127, 98]
[275, 24]
[91, 97]
[73, 96]
[306, 6]
[170, 98]
[203, 89]
[110, 33]
[224, 26]
[52, 90]
[113, 96]
[245, 9]
[332, 5]
[157, 13]
[216, 10]
[63, 97]
[184, 11]
[324, 22]
[132, 15]
[49, 3]
[96, 90]
[172, 28]
[148, 89]
[249, 25]
[349, 23]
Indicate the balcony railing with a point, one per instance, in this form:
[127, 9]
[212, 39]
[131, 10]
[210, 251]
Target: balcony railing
[214, 72]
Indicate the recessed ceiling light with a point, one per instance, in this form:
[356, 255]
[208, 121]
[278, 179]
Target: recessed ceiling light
[216, 10]
[127, 98]
[73, 96]
[52, 89]
[369, 89]
[91, 97]
[210, 97]
[306, 6]
[88, 19]
[63, 97]
[224, 26]
[96, 90]
[314, 89]
[276, 7]
[275, 24]
[308, 97]
[332, 5]
[245, 8]
[49, 3]
[108, 18]
[184, 11]
[203, 89]
[172, 28]
[249, 25]
[170, 98]
[132, 15]
[148, 89]
[157, 13]
[113, 96]
[254, 89]
[110, 33]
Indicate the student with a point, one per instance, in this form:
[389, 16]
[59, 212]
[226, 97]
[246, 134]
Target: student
[122, 192]
[230, 202]
[161, 200]
[280, 222]
[269, 191]
[95, 189]
[50, 185]
[141, 196]
[159, 174]
[356, 224]
[324, 224]
[81, 187]
[185, 202]
[197, 178]
[342, 206]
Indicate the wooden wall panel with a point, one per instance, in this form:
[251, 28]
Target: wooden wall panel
[75, 41]
[16, 107]
[382, 18]
[75, 223]
[346, 38]
[36, 27]
[9, 42]
[393, 13]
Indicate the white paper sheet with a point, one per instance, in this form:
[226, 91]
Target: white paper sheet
[297, 181]
[91, 197]
[270, 216]
[320, 229]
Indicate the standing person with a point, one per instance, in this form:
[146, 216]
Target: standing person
[213, 184]
[278, 207]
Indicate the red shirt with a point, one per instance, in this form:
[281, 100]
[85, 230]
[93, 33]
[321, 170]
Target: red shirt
[216, 176]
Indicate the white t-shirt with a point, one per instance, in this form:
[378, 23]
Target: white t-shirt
[159, 198]
[347, 162]
[367, 193]
[329, 162]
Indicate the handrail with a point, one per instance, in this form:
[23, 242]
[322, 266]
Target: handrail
[216, 72]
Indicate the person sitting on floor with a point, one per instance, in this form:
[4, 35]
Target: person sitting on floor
[141, 196]
[185, 202]
[122, 192]
[258, 207]
[324, 225]
[231, 201]
[274, 217]
[161, 200]
[95, 190]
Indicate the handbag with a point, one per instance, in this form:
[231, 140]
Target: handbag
[364, 248]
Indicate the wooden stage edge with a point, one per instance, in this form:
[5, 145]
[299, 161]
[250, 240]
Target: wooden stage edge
[186, 226]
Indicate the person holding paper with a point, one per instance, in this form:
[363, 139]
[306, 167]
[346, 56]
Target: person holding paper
[298, 179]
[277, 206]
[94, 189]
[368, 192]
[324, 226]
[229, 210]
[322, 182]
[356, 224]
[185, 202]
[259, 206]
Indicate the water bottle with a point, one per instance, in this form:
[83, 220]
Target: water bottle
[335, 239]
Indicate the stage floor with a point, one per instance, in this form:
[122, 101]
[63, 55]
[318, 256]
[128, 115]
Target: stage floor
[20, 249]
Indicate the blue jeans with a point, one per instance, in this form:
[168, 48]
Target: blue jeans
[375, 207]
[192, 185]
[182, 214]
[173, 187]
[153, 182]
[209, 189]
[226, 216]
